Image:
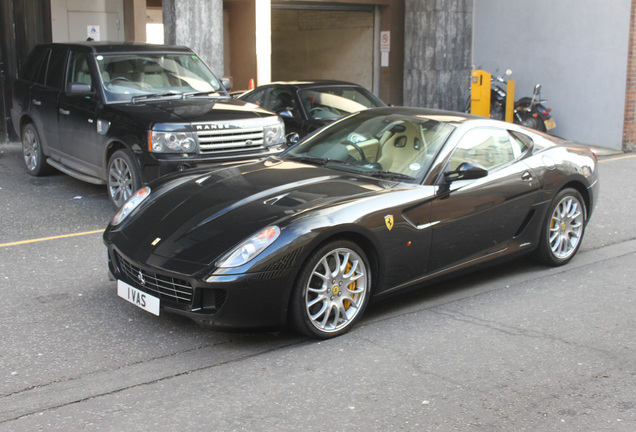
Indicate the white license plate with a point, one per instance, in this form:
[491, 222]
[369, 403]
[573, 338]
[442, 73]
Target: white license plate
[140, 299]
[549, 124]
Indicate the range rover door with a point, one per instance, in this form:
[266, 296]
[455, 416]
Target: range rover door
[44, 95]
[78, 120]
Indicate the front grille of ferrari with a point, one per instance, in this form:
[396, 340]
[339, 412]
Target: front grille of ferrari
[166, 288]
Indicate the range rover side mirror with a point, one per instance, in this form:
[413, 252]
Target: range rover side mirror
[226, 83]
[78, 89]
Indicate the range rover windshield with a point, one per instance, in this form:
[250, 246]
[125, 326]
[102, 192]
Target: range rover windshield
[126, 77]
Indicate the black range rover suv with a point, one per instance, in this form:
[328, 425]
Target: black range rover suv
[125, 114]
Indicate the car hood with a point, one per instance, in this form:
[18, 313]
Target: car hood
[192, 220]
[190, 110]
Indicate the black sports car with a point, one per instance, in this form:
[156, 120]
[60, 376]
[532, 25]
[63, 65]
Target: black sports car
[306, 106]
[382, 200]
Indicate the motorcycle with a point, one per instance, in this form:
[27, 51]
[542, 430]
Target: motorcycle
[529, 112]
[532, 113]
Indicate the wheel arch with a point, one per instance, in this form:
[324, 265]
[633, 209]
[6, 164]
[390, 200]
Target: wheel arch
[363, 240]
[580, 188]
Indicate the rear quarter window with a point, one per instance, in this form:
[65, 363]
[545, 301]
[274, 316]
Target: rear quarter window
[55, 69]
[35, 63]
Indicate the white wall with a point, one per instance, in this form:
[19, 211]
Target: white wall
[576, 49]
[70, 19]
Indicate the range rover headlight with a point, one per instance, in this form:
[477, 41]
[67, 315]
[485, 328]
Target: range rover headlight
[274, 134]
[250, 248]
[132, 203]
[171, 142]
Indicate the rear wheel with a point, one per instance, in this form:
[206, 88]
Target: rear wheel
[563, 229]
[123, 177]
[34, 158]
[332, 290]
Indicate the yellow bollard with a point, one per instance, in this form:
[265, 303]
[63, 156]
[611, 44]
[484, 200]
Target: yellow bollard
[510, 101]
[480, 93]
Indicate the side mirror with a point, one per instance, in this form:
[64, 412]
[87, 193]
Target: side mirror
[78, 89]
[285, 113]
[537, 89]
[466, 171]
[226, 83]
[292, 139]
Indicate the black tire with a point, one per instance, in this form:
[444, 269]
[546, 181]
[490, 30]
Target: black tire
[563, 229]
[123, 177]
[325, 307]
[32, 153]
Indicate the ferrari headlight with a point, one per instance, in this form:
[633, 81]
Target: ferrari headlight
[132, 203]
[171, 142]
[250, 248]
[274, 134]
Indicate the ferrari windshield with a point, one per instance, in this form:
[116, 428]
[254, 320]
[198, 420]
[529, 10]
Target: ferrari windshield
[126, 76]
[403, 146]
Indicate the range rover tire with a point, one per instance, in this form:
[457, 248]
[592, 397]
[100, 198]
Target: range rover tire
[33, 156]
[123, 177]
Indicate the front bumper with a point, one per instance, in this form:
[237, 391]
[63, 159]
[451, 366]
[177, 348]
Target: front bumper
[243, 301]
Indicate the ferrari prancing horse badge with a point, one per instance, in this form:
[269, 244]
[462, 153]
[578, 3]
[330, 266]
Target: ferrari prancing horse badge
[388, 220]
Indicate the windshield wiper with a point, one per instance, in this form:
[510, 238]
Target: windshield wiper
[391, 174]
[196, 94]
[308, 159]
[154, 96]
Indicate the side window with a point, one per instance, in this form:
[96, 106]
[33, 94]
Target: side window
[33, 65]
[490, 148]
[78, 69]
[55, 70]
[281, 99]
[256, 97]
[39, 75]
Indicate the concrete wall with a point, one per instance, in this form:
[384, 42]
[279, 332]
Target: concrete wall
[70, 20]
[197, 24]
[576, 49]
[437, 53]
[310, 44]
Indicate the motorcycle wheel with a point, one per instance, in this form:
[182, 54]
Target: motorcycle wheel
[529, 121]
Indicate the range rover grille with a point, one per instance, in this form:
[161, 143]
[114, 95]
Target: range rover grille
[215, 140]
[165, 287]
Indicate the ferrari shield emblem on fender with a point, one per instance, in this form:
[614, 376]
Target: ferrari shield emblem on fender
[388, 220]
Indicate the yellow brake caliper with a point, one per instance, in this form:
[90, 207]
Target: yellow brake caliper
[351, 286]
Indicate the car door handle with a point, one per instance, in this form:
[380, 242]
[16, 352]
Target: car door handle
[36, 102]
[64, 112]
[526, 176]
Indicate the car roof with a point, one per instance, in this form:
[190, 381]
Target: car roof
[312, 83]
[105, 47]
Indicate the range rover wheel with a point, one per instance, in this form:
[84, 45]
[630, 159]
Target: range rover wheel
[34, 158]
[563, 229]
[332, 290]
[123, 177]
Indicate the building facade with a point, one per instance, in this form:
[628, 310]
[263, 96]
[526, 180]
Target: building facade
[408, 52]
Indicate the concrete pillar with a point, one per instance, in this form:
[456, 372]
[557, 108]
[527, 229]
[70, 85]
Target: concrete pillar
[197, 24]
[135, 20]
[438, 53]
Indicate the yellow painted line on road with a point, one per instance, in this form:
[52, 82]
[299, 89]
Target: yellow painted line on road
[618, 158]
[50, 238]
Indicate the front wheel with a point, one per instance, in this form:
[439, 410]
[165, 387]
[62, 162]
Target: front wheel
[563, 229]
[332, 290]
[123, 177]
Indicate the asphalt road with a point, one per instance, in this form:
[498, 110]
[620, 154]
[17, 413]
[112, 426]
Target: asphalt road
[514, 347]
